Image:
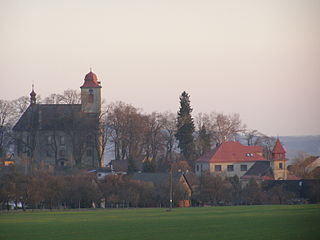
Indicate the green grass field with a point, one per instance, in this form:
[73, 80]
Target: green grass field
[239, 222]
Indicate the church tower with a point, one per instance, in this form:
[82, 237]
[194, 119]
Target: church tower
[279, 162]
[91, 94]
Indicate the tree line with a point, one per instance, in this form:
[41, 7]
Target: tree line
[45, 189]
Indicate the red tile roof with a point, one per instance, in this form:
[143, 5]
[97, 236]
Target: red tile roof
[233, 152]
[263, 178]
[278, 148]
[292, 177]
[91, 81]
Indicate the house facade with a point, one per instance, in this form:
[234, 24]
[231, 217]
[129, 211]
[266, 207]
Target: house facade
[231, 158]
[61, 135]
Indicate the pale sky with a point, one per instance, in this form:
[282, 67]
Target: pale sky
[260, 59]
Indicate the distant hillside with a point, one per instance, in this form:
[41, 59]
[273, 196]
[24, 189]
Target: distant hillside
[295, 144]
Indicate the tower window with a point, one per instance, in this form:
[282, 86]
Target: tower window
[280, 166]
[90, 97]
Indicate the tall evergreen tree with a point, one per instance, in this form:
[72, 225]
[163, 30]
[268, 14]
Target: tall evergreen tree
[185, 129]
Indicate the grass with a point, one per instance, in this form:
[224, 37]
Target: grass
[239, 222]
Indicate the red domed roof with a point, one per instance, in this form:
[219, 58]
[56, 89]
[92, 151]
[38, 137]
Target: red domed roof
[91, 81]
[91, 77]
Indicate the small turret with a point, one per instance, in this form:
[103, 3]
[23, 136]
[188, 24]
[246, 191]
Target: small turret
[33, 95]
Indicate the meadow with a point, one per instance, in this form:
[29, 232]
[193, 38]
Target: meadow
[235, 222]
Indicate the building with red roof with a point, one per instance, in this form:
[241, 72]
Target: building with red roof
[233, 158]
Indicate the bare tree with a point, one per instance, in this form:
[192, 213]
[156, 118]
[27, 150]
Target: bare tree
[6, 114]
[100, 135]
[251, 136]
[20, 105]
[226, 127]
[300, 163]
[154, 141]
[211, 189]
[221, 127]
[267, 143]
[126, 126]
[69, 96]
[169, 130]
[52, 99]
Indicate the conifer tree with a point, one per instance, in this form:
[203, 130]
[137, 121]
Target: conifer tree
[185, 129]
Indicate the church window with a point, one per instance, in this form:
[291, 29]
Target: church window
[197, 168]
[62, 153]
[49, 139]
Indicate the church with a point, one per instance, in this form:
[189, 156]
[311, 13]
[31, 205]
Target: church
[61, 135]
